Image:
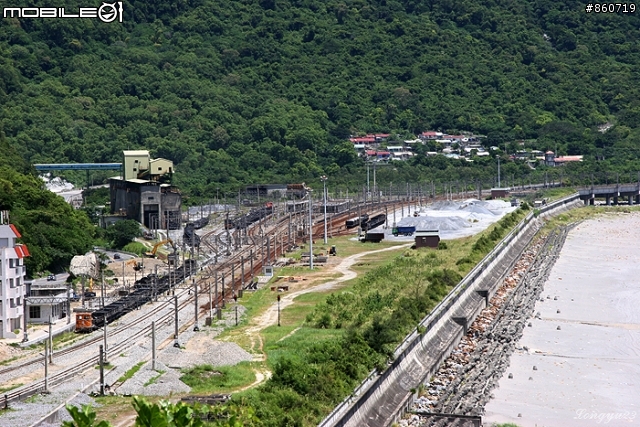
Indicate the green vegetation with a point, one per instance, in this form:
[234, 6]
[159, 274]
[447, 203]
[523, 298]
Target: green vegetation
[136, 248]
[221, 379]
[167, 414]
[154, 379]
[131, 372]
[11, 387]
[239, 92]
[341, 336]
[53, 231]
[122, 233]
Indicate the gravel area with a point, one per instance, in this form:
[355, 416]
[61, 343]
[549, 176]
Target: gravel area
[206, 351]
[161, 381]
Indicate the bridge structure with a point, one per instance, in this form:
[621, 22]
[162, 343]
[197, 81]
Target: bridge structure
[612, 193]
[77, 166]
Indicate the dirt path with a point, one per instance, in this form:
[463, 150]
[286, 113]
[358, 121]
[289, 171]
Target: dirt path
[270, 316]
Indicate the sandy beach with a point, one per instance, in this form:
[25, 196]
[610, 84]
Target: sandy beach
[580, 363]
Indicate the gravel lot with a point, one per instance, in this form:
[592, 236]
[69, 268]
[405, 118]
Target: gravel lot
[163, 381]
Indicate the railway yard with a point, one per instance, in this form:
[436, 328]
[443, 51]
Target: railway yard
[229, 263]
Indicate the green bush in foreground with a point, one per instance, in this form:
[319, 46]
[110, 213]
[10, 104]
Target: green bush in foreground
[167, 414]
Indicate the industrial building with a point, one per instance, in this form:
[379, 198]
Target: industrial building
[427, 238]
[144, 192]
[47, 302]
[12, 278]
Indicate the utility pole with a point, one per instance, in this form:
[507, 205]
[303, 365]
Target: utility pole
[323, 178]
[196, 328]
[310, 232]
[105, 338]
[50, 340]
[101, 373]
[176, 344]
[153, 345]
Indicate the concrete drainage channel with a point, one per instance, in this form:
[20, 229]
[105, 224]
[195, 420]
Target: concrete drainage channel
[384, 398]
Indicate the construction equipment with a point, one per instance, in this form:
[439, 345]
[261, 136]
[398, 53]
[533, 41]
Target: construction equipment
[153, 251]
[137, 266]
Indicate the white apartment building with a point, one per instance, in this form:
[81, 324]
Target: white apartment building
[12, 278]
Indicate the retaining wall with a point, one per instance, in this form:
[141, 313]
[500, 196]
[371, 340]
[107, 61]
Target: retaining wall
[383, 398]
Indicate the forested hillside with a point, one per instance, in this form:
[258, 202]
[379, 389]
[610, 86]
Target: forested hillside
[53, 231]
[236, 92]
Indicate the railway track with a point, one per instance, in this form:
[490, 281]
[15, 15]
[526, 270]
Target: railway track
[234, 248]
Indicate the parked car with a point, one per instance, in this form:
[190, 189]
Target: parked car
[116, 256]
[51, 278]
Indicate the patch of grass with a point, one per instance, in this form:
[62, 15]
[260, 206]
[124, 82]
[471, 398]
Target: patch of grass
[65, 339]
[105, 366]
[154, 379]
[8, 388]
[131, 372]
[221, 379]
[6, 362]
[116, 407]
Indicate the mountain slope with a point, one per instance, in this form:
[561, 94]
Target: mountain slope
[244, 91]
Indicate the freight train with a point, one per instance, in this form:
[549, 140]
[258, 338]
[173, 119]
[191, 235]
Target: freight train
[243, 221]
[144, 290]
[357, 221]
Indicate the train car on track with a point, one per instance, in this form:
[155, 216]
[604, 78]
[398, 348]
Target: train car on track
[254, 215]
[145, 290]
[374, 222]
[352, 222]
[356, 221]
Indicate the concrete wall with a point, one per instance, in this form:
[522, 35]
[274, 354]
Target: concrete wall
[382, 399]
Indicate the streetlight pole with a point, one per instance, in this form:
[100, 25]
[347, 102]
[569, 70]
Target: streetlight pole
[498, 171]
[324, 193]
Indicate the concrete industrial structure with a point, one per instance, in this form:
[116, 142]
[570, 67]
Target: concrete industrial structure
[12, 278]
[144, 191]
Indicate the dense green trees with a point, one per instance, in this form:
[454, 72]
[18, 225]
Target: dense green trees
[237, 92]
[122, 232]
[53, 231]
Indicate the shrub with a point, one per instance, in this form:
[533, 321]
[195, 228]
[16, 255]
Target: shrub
[442, 245]
[136, 248]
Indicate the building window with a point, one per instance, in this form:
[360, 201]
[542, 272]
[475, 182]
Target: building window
[11, 284]
[10, 262]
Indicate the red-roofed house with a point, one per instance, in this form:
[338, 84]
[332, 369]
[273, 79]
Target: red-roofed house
[12, 278]
[550, 159]
[363, 140]
[430, 134]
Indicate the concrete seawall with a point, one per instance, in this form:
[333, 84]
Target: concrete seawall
[383, 399]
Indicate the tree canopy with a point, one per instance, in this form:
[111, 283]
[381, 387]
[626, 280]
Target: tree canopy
[236, 92]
